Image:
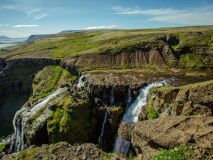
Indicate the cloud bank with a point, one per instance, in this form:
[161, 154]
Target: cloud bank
[103, 27]
[18, 26]
[193, 16]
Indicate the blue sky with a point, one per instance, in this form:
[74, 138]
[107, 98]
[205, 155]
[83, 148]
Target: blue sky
[22, 18]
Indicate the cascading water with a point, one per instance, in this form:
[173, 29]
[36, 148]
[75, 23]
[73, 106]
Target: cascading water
[129, 97]
[112, 96]
[131, 116]
[101, 137]
[82, 81]
[23, 115]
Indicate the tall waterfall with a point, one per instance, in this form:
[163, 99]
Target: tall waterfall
[82, 81]
[101, 137]
[24, 114]
[131, 116]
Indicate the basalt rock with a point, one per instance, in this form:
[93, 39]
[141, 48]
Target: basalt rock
[62, 150]
[195, 99]
[168, 133]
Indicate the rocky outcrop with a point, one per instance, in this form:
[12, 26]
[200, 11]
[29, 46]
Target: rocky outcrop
[147, 56]
[168, 133]
[32, 61]
[194, 99]
[3, 64]
[62, 150]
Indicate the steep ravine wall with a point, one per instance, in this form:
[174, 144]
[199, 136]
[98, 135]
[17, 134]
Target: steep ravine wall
[16, 78]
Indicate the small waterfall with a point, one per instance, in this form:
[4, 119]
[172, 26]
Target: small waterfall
[112, 96]
[23, 115]
[82, 81]
[131, 116]
[101, 137]
[129, 97]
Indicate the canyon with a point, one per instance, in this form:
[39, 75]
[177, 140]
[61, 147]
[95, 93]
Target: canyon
[75, 92]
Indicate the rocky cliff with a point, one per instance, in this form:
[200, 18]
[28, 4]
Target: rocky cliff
[194, 99]
[171, 132]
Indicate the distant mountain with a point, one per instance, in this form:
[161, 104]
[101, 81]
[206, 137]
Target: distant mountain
[68, 31]
[4, 37]
[35, 37]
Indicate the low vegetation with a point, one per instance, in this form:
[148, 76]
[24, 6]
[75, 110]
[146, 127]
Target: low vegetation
[151, 113]
[191, 45]
[72, 120]
[182, 153]
[49, 79]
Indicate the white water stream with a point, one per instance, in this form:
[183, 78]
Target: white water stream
[131, 116]
[82, 81]
[25, 114]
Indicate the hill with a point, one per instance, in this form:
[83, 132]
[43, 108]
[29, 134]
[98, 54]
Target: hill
[4, 37]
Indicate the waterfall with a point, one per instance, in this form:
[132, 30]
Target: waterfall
[112, 96]
[101, 137]
[129, 97]
[25, 114]
[131, 116]
[82, 81]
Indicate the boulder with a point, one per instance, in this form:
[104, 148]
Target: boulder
[168, 133]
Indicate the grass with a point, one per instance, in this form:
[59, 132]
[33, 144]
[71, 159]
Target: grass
[191, 61]
[181, 154]
[49, 79]
[160, 89]
[110, 41]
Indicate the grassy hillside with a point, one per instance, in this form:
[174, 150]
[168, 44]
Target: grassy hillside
[191, 45]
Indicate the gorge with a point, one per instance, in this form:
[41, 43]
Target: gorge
[77, 92]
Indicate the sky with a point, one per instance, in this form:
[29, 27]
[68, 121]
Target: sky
[22, 18]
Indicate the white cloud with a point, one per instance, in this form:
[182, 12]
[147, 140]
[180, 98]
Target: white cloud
[17, 26]
[29, 11]
[161, 11]
[103, 27]
[40, 16]
[193, 16]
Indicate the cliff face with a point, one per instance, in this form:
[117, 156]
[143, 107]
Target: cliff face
[16, 78]
[169, 133]
[194, 99]
[147, 56]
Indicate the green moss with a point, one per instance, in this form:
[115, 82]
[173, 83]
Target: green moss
[2, 146]
[181, 154]
[70, 121]
[191, 61]
[151, 113]
[26, 155]
[49, 79]
[115, 107]
[160, 89]
[189, 113]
